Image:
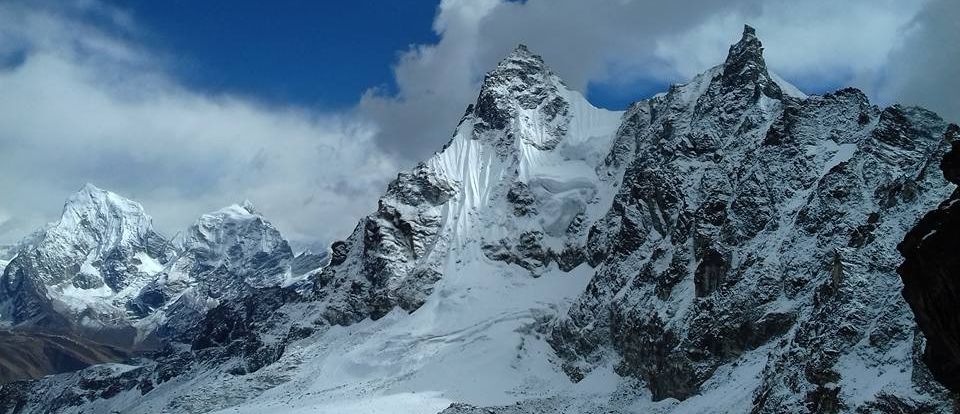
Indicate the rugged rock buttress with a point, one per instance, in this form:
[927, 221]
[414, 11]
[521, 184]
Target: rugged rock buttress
[931, 276]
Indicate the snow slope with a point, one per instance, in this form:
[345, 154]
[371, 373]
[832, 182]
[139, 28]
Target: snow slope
[724, 247]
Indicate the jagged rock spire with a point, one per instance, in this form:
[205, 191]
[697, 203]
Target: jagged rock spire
[518, 71]
[521, 58]
[745, 66]
[520, 80]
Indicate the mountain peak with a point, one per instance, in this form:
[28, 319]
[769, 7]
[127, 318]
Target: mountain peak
[90, 195]
[90, 188]
[745, 65]
[520, 80]
[241, 211]
[749, 48]
[92, 204]
[238, 237]
[520, 62]
[248, 205]
[521, 51]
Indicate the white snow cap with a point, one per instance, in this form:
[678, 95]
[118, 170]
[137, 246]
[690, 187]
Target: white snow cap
[101, 211]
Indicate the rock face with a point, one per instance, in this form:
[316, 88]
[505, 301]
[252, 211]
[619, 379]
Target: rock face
[930, 275]
[386, 261]
[753, 225]
[80, 272]
[227, 254]
[103, 273]
[728, 245]
[519, 177]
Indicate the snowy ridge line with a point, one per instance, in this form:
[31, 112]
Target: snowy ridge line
[725, 246]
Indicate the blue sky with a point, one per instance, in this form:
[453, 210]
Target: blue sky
[313, 53]
[308, 108]
[318, 54]
[323, 55]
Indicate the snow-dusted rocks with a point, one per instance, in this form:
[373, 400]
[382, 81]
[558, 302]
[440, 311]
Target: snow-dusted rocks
[517, 181]
[728, 246]
[226, 255]
[80, 271]
[755, 226]
[103, 272]
[386, 261]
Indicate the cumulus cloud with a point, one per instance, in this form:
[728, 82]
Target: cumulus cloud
[79, 104]
[84, 103]
[435, 82]
[818, 44]
[923, 68]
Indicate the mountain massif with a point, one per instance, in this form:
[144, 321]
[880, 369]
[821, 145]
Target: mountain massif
[729, 245]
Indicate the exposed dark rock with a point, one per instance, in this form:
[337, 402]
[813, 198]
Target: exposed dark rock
[745, 66]
[648, 351]
[528, 252]
[710, 272]
[339, 252]
[740, 228]
[931, 279]
[522, 199]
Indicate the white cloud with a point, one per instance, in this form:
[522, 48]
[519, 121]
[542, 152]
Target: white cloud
[79, 103]
[82, 106]
[819, 43]
[923, 68]
[435, 83]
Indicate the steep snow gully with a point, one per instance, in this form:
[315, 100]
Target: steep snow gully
[726, 246]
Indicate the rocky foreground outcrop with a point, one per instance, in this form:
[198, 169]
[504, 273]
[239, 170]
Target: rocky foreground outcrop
[931, 275]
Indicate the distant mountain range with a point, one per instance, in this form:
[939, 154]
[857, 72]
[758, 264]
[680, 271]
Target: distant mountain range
[726, 246]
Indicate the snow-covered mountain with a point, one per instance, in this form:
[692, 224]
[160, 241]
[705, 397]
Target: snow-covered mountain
[518, 183]
[750, 252]
[226, 255]
[728, 246]
[103, 272]
[80, 272]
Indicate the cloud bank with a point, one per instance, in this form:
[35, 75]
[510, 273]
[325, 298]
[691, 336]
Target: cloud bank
[83, 102]
[819, 45]
[78, 104]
